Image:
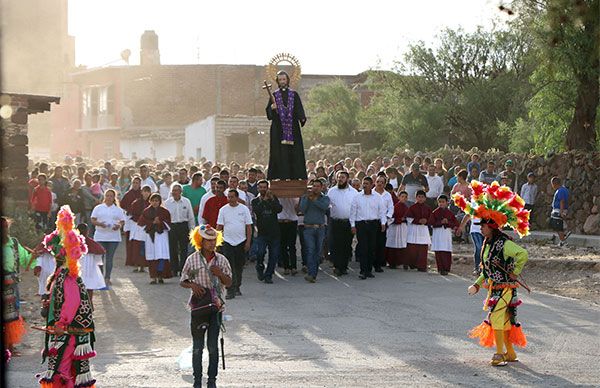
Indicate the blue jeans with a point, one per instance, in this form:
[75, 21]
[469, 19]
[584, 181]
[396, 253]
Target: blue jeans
[212, 342]
[478, 243]
[313, 240]
[274, 245]
[110, 247]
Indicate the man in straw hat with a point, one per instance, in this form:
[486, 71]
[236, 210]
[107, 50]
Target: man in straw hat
[206, 273]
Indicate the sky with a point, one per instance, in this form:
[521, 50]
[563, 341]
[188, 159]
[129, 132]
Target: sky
[327, 36]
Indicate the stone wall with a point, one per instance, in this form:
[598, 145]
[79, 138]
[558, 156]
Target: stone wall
[580, 172]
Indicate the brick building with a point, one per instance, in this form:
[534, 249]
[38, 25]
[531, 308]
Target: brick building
[142, 110]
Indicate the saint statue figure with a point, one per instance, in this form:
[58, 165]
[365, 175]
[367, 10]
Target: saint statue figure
[286, 159]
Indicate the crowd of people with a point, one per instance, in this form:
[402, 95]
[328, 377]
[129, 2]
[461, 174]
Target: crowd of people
[178, 219]
[397, 208]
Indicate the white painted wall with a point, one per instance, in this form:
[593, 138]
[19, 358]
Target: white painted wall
[200, 135]
[148, 148]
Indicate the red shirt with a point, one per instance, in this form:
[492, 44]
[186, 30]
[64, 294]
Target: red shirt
[41, 199]
[211, 209]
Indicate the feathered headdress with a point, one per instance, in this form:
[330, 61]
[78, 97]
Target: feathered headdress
[204, 232]
[66, 242]
[496, 203]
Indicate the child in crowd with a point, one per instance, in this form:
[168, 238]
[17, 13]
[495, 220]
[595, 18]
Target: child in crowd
[395, 243]
[444, 223]
[418, 238]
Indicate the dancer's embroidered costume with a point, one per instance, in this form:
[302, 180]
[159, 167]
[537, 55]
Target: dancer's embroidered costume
[502, 262]
[70, 310]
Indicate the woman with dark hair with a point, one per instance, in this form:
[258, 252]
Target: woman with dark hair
[108, 218]
[156, 222]
[462, 186]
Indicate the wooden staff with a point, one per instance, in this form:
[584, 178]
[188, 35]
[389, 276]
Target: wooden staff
[268, 87]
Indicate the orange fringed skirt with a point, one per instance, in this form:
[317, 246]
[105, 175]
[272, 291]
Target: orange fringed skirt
[13, 332]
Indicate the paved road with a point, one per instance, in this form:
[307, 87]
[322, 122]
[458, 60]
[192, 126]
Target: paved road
[402, 328]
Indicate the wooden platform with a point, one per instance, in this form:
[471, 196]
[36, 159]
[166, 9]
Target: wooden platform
[289, 188]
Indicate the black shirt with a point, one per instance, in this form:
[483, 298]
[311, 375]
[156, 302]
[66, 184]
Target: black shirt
[266, 216]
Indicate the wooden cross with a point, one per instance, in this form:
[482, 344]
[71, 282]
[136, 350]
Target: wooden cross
[268, 87]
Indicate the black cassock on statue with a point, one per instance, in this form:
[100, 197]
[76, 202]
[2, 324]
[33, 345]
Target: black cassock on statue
[287, 161]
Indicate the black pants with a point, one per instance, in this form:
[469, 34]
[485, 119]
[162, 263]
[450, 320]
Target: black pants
[212, 343]
[237, 257]
[380, 249]
[366, 233]
[288, 232]
[178, 245]
[341, 243]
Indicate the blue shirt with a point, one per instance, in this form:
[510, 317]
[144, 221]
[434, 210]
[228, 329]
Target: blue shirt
[314, 211]
[561, 194]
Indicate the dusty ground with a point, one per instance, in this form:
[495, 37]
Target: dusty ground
[402, 328]
[565, 271]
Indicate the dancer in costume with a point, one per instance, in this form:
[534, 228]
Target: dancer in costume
[206, 273]
[502, 263]
[14, 257]
[69, 342]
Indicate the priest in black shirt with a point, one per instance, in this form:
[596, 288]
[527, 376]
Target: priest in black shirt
[265, 207]
[286, 159]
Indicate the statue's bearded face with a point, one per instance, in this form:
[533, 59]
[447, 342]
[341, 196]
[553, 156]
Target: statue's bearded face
[282, 81]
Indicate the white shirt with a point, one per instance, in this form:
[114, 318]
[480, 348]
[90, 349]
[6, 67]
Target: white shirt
[181, 211]
[340, 201]
[388, 203]
[436, 186]
[475, 225]
[528, 193]
[394, 183]
[111, 216]
[289, 209]
[165, 191]
[234, 220]
[205, 198]
[150, 182]
[367, 207]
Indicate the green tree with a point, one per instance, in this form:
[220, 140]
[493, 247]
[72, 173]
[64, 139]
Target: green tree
[565, 107]
[334, 111]
[456, 93]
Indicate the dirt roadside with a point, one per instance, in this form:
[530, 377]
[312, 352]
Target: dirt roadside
[566, 271]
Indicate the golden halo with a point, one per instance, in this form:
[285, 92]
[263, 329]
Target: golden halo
[284, 59]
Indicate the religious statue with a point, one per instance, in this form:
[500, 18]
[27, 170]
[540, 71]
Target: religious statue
[284, 109]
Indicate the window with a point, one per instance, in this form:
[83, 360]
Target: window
[86, 102]
[106, 99]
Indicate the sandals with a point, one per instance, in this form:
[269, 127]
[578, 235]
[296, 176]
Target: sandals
[511, 358]
[498, 360]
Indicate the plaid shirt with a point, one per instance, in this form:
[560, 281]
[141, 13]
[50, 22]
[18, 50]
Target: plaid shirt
[195, 271]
